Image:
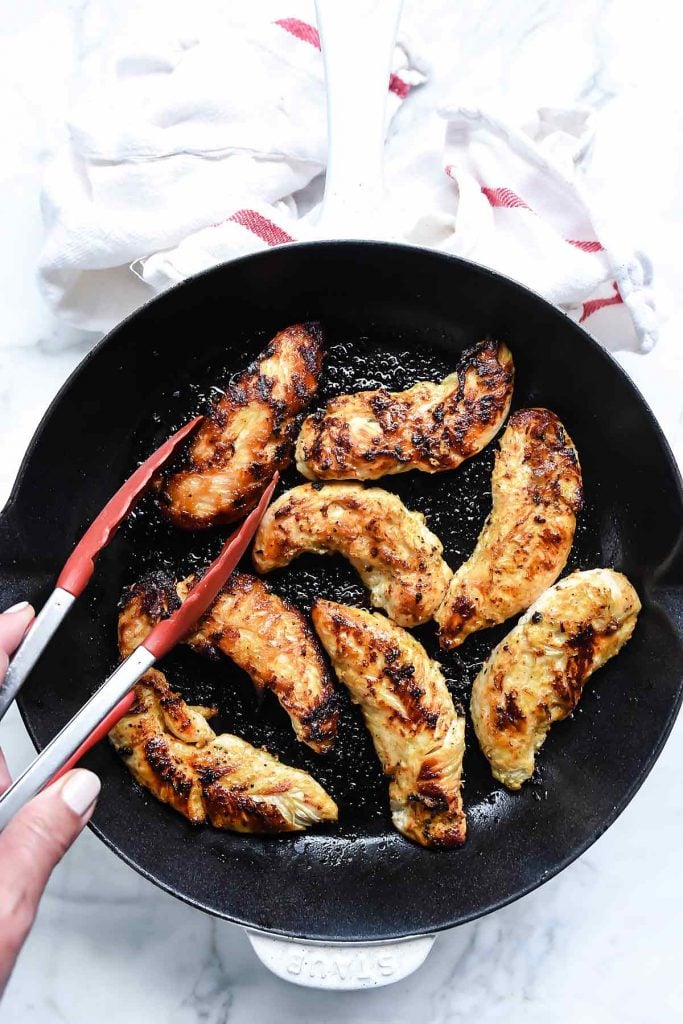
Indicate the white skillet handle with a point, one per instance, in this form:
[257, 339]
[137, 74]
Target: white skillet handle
[357, 38]
[346, 966]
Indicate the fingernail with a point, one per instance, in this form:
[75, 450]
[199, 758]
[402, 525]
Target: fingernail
[81, 790]
[16, 608]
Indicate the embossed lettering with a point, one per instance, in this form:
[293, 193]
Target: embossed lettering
[343, 968]
[362, 968]
[312, 965]
[387, 965]
[367, 976]
[296, 963]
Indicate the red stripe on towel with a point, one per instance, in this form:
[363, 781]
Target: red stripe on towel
[309, 34]
[398, 86]
[302, 30]
[261, 227]
[505, 197]
[586, 246]
[593, 305]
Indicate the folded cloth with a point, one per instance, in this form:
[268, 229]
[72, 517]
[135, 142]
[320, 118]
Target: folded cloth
[193, 145]
[188, 140]
[523, 210]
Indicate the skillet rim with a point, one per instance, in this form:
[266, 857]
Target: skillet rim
[485, 273]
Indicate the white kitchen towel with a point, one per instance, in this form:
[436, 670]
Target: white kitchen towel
[523, 210]
[191, 145]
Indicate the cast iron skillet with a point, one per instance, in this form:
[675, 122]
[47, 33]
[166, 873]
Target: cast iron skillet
[391, 313]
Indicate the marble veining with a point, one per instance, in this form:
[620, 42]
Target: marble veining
[600, 942]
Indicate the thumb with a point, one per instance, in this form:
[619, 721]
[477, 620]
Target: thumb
[13, 625]
[34, 842]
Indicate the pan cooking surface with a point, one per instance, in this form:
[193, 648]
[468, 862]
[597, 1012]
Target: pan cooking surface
[392, 315]
[455, 504]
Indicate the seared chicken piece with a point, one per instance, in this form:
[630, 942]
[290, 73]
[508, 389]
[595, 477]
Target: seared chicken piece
[247, 435]
[155, 757]
[171, 749]
[224, 781]
[430, 427]
[418, 735]
[536, 675]
[266, 636]
[136, 620]
[396, 556]
[528, 535]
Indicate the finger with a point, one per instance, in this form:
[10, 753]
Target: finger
[13, 625]
[31, 845]
[5, 777]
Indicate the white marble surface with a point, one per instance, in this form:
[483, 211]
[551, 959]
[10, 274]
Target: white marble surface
[601, 942]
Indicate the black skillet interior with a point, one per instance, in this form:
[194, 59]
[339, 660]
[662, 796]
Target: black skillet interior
[391, 315]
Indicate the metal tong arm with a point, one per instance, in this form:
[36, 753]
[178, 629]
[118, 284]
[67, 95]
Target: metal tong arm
[80, 564]
[44, 626]
[60, 749]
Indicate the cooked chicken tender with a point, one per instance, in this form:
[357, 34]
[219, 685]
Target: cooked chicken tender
[266, 636]
[418, 735]
[156, 758]
[528, 535]
[223, 780]
[536, 675]
[430, 427]
[172, 751]
[247, 435]
[396, 556]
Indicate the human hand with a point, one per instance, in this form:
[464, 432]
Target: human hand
[40, 834]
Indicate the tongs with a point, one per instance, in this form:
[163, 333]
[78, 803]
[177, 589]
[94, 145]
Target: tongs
[115, 697]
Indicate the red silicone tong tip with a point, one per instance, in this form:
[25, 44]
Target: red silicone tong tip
[80, 564]
[167, 633]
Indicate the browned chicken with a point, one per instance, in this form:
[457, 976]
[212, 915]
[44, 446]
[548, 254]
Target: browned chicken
[266, 636]
[528, 535]
[430, 427]
[418, 735]
[247, 435]
[396, 556]
[536, 675]
[223, 780]
[171, 749]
